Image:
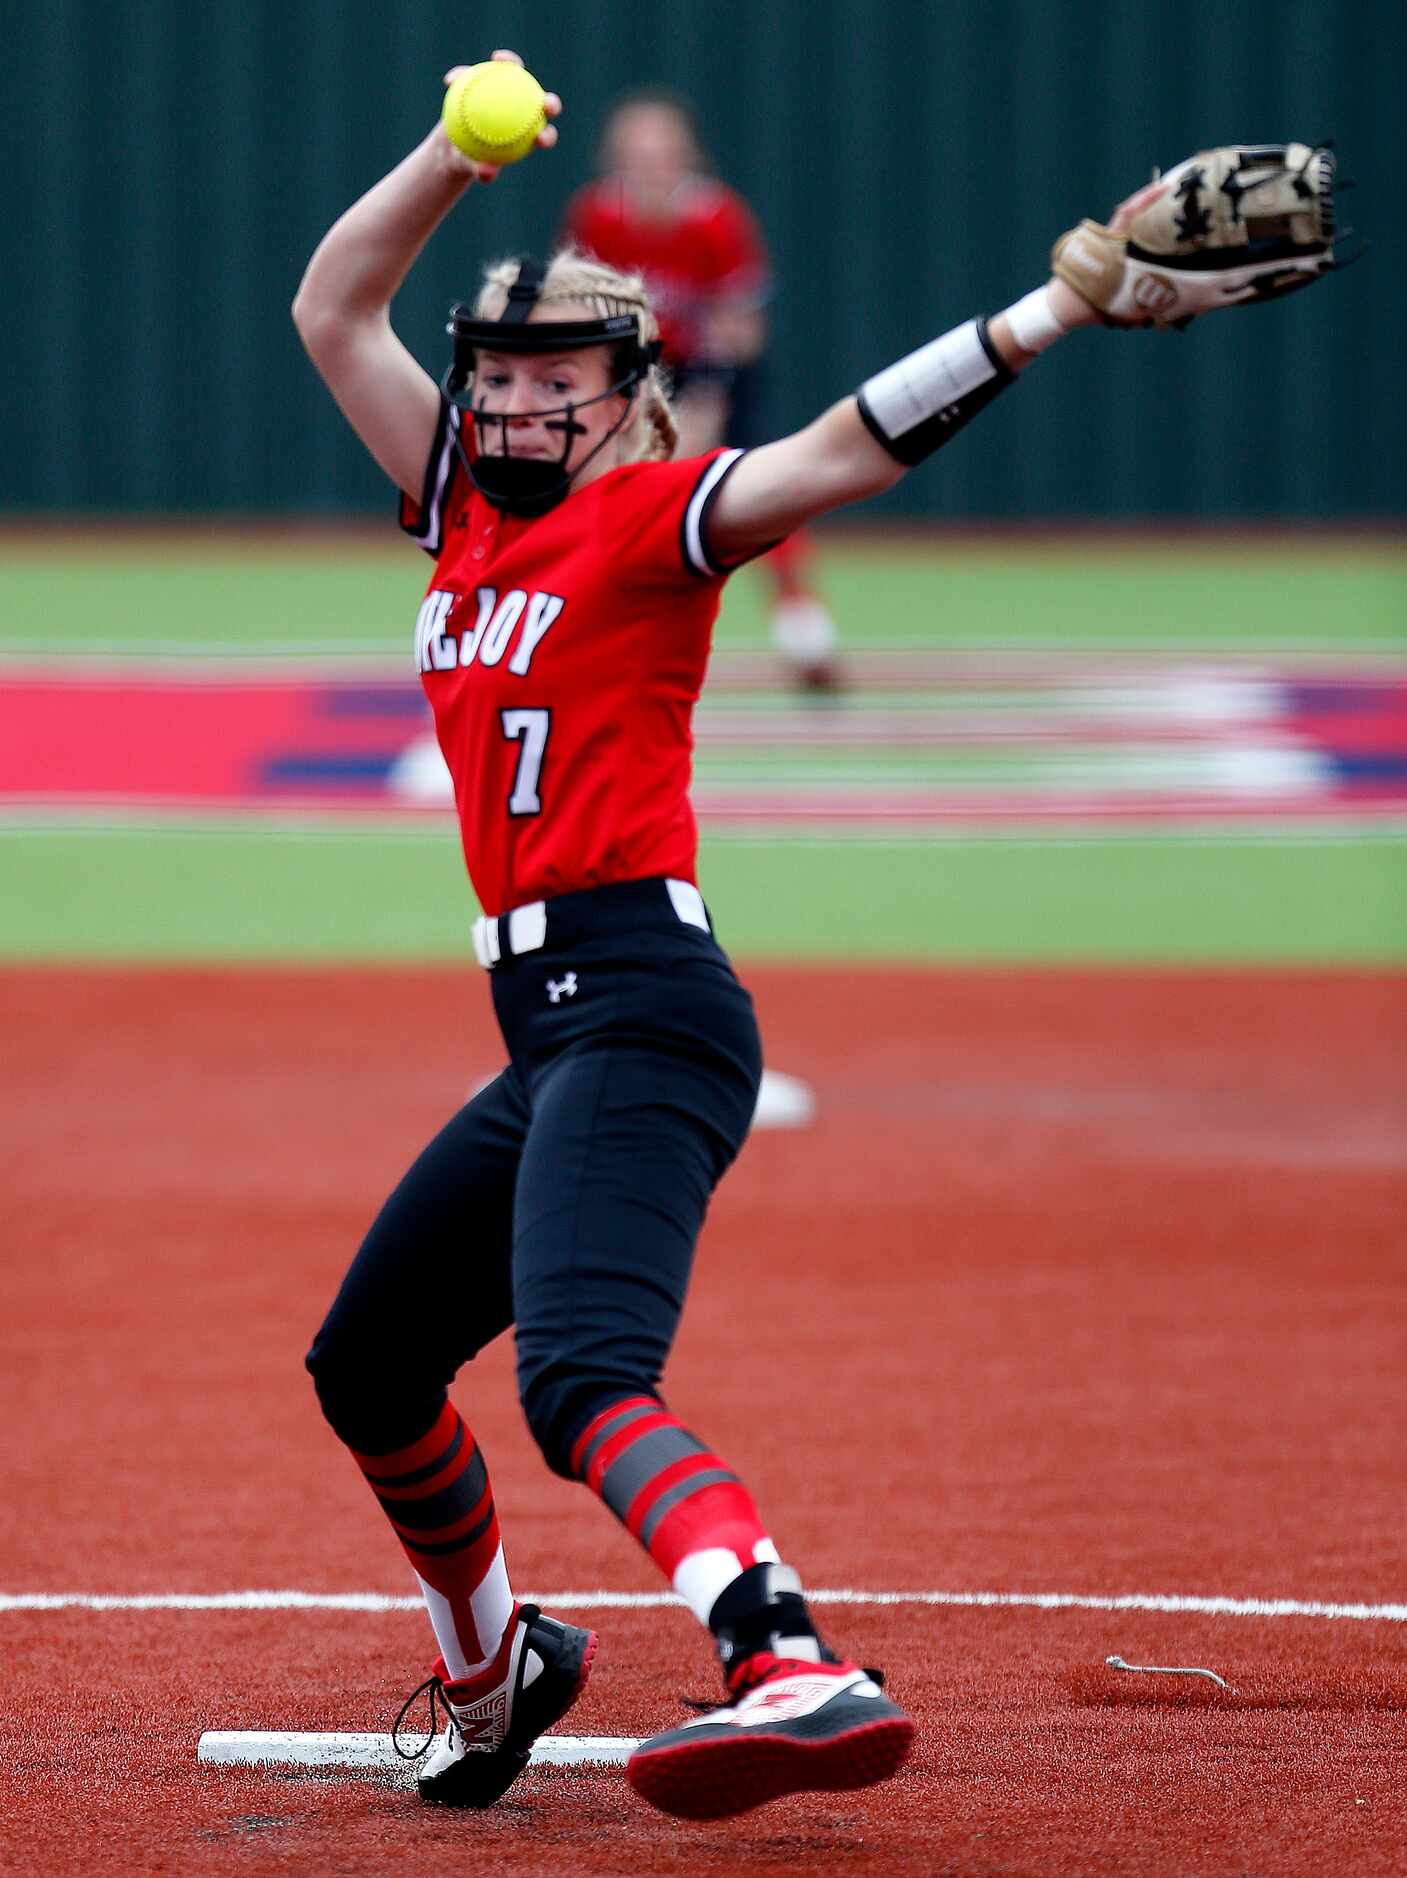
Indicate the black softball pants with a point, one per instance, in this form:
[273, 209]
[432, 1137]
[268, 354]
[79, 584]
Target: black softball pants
[568, 1195]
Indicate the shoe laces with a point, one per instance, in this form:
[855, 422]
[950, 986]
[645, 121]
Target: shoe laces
[750, 1672]
[435, 1690]
[762, 1666]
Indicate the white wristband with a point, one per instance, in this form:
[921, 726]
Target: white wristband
[1033, 323]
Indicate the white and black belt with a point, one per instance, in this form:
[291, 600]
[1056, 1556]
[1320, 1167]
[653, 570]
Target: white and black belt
[529, 928]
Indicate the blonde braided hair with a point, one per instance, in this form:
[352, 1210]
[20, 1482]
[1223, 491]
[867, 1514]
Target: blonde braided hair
[572, 278]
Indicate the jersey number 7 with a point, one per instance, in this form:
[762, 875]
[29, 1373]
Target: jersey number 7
[531, 728]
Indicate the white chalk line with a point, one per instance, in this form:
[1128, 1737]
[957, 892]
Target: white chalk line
[375, 1601]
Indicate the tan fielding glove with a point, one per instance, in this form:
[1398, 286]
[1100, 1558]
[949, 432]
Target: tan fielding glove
[1229, 227]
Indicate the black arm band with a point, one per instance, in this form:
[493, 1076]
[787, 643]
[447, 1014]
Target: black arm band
[914, 407]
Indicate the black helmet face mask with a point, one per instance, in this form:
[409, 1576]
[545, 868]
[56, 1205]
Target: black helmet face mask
[524, 485]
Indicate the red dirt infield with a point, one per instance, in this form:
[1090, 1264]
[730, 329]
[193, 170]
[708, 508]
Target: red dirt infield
[1083, 1283]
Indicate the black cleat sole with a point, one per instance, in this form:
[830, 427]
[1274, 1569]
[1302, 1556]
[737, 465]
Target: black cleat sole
[714, 1773]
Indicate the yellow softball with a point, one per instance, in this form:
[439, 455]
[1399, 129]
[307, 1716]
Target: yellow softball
[494, 111]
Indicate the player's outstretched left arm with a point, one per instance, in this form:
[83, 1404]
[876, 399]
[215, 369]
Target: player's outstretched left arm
[1227, 227]
[866, 443]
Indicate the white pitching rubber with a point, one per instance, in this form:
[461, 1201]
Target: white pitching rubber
[256, 1748]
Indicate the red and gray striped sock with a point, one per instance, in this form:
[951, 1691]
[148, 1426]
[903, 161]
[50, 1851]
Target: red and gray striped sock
[690, 1512]
[437, 1496]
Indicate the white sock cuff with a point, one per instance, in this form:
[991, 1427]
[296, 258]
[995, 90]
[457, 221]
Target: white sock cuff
[491, 1610]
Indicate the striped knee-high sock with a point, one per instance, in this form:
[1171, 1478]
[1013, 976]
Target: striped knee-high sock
[437, 1496]
[690, 1512]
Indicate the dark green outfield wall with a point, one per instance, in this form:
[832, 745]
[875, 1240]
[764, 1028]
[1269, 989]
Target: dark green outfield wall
[173, 162]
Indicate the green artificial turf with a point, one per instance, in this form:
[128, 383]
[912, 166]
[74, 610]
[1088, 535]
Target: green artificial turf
[143, 893]
[362, 593]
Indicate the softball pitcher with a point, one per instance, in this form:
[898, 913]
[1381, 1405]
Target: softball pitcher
[562, 644]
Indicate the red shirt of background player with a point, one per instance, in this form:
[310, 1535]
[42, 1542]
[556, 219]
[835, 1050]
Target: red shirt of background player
[562, 657]
[710, 250]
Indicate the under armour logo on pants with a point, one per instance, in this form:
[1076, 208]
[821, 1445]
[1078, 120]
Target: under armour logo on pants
[559, 988]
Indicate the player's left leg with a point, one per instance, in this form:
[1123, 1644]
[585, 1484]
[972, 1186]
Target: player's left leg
[628, 1140]
[613, 1189]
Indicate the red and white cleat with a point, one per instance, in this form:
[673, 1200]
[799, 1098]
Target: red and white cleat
[541, 1669]
[791, 1727]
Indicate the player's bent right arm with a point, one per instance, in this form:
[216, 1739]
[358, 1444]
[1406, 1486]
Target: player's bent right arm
[342, 308]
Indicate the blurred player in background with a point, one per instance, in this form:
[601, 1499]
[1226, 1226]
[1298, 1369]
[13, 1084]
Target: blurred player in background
[657, 211]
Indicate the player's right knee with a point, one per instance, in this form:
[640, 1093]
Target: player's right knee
[369, 1402]
[338, 1382]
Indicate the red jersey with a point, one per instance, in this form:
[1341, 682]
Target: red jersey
[711, 250]
[562, 655]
